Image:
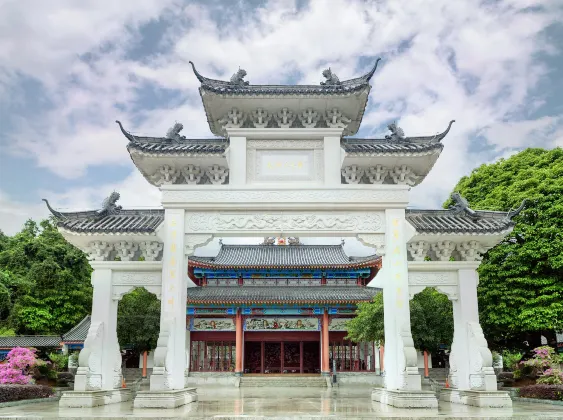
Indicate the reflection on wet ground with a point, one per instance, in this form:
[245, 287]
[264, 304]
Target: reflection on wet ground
[283, 403]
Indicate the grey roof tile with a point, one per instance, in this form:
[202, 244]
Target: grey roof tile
[449, 221]
[228, 88]
[280, 294]
[79, 331]
[127, 221]
[283, 256]
[165, 146]
[30, 341]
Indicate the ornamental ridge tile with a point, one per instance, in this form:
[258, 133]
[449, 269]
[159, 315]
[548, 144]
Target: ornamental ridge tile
[30, 341]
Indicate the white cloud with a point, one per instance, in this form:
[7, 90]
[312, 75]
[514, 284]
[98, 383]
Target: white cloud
[442, 60]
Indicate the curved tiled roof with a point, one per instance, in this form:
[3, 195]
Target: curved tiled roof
[30, 341]
[182, 146]
[451, 221]
[229, 88]
[79, 332]
[126, 221]
[408, 145]
[283, 256]
[280, 294]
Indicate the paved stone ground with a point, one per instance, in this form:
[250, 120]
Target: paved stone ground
[282, 403]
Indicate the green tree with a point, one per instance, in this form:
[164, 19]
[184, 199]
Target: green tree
[521, 279]
[47, 279]
[431, 320]
[138, 320]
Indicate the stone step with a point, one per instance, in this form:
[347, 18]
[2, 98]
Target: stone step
[279, 381]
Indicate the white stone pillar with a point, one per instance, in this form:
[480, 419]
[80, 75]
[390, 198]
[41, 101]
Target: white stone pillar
[99, 362]
[332, 161]
[471, 358]
[401, 371]
[236, 159]
[170, 354]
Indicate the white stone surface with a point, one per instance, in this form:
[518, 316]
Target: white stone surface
[79, 399]
[405, 399]
[165, 399]
[487, 399]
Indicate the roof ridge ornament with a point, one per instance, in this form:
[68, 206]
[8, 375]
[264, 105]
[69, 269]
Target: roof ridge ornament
[515, 212]
[397, 133]
[462, 206]
[331, 78]
[127, 134]
[109, 208]
[173, 132]
[55, 213]
[238, 78]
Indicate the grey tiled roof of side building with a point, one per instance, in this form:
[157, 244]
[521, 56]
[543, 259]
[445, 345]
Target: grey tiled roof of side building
[242, 294]
[229, 88]
[30, 341]
[127, 221]
[165, 146]
[79, 331]
[282, 256]
[449, 221]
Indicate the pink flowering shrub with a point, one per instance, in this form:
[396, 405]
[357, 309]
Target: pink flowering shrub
[545, 365]
[18, 365]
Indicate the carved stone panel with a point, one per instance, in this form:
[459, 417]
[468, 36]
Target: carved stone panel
[284, 222]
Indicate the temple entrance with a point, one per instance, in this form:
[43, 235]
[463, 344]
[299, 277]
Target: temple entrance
[269, 354]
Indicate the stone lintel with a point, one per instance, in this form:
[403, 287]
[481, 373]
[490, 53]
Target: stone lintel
[491, 399]
[165, 399]
[80, 399]
[405, 399]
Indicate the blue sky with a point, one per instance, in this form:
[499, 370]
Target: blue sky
[69, 69]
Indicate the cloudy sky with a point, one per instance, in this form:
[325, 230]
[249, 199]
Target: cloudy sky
[69, 69]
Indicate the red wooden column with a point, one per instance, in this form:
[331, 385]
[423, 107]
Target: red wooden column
[381, 358]
[426, 374]
[238, 343]
[325, 368]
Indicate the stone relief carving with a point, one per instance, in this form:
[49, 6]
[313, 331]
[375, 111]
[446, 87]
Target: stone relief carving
[217, 174]
[471, 251]
[284, 144]
[375, 240]
[166, 174]
[285, 118]
[89, 372]
[192, 174]
[336, 119]
[309, 118]
[276, 196]
[129, 278]
[99, 250]
[126, 250]
[418, 250]
[150, 250]
[403, 175]
[377, 174]
[191, 242]
[443, 250]
[424, 278]
[352, 174]
[260, 118]
[218, 222]
[233, 119]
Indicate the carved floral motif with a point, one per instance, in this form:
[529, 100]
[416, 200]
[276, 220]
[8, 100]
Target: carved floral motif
[126, 250]
[418, 250]
[443, 250]
[404, 175]
[99, 250]
[471, 251]
[166, 174]
[150, 250]
[352, 174]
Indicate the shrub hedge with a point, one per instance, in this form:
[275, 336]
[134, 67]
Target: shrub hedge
[545, 392]
[23, 392]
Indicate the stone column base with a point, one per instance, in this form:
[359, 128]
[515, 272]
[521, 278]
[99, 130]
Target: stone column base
[78, 399]
[404, 398]
[497, 399]
[165, 399]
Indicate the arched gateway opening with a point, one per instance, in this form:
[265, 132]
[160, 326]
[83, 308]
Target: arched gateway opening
[283, 164]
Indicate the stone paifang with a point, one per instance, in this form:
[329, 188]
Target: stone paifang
[283, 163]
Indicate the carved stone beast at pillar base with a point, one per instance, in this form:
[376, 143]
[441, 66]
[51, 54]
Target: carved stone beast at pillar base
[408, 367]
[481, 373]
[89, 373]
[159, 380]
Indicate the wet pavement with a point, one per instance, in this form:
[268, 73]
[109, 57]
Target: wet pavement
[352, 402]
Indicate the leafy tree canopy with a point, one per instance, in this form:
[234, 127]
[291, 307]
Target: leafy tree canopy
[44, 281]
[431, 320]
[521, 279]
[138, 320]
